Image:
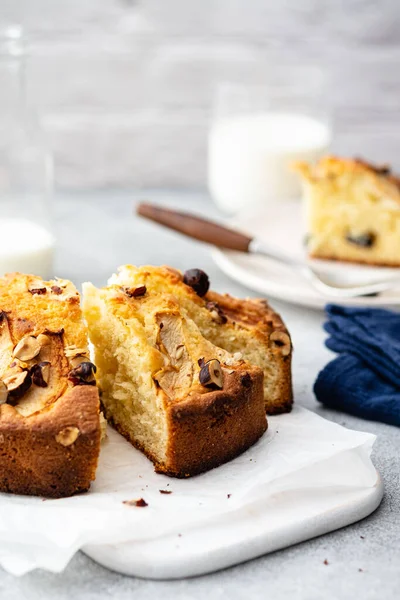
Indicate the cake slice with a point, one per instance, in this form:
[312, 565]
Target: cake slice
[49, 402]
[187, 404]
[352, 211]
[248, 327]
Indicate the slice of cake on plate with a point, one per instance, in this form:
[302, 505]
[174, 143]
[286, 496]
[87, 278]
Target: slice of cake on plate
[249, 328]
[186, 403]
[352, 211]
[49, 402]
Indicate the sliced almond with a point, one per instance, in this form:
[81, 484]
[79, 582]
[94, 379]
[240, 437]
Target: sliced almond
[3, 393]
[67, 436]
[27, 348]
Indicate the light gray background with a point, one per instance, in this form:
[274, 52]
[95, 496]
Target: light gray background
[125, 86]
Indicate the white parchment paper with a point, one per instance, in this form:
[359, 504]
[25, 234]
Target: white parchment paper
[40, 533]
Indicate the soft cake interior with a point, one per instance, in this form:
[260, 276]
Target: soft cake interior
[351, 212]
[237, 336]
[147, 355]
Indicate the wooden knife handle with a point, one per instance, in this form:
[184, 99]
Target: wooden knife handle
[195, 227]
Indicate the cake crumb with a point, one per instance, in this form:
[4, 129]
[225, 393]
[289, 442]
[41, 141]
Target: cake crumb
[139, 502]
[228, 496]
[165, 491]
[326, 562]
[361, 570]
[362, 537]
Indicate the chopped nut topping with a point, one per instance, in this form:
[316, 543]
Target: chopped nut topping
[140, 502]
[71, 351]
[135, 292]
[282, 341]
[234, 359]
[179, 351]
[197, 280]
[216, 312]
[83, 374]
[3, 393]
[39, 291]
[17, 384]
[40, 374]
[67, 436]
[43, 339]
[211, 374]
[56, 290]
[27, 348]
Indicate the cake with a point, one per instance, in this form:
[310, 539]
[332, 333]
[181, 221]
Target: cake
[352, 211]
[188, 404]
[49, 402]
[248, 327]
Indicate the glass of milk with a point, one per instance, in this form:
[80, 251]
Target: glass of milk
[26, 240]
[257, 132]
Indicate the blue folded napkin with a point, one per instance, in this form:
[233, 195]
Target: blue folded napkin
[364, 379]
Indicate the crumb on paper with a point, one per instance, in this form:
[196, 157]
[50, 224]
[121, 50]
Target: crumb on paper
[361, 570]
[362, 537]
[165, 491]
[179, 535]
[326, 562]
[228, 496]
[138, 502]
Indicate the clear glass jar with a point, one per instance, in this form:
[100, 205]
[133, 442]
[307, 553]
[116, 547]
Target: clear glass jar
[26, 170]
[258, 131]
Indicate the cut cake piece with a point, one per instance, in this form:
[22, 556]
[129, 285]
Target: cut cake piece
[249, 327]
[49, 402]
[352, 211]
[187, 404]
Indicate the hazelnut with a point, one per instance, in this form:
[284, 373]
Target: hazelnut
[27, 348]
[364, 240]
[135, 292]
[197, 280]
[40, 374]
[83, 374]
[3, 393]
[43, 339]
[216, 312]
[17, 384]
[67, 436]
[39, 291]
[281, 340]
[211, 374]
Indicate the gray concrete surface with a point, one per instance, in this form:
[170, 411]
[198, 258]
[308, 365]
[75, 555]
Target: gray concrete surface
[98, 232]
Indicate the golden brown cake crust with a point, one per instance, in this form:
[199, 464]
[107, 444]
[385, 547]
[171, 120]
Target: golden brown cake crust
[268, 327]
[33, 462]
[335, 166]
[49, 435]
[206, 430]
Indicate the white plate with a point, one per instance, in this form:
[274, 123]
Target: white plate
[281, 226]
[306, 476]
